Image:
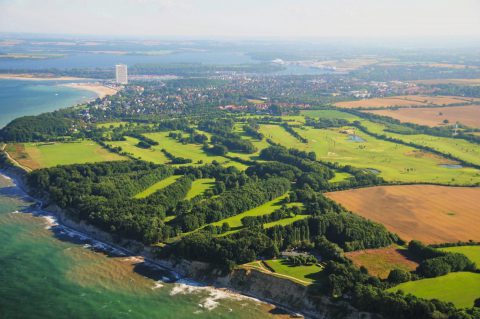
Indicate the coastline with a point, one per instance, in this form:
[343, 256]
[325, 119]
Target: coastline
[38, 77]
[180, 271]
[99, 89]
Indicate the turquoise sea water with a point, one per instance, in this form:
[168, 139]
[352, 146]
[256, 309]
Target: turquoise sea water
[46, 272]
[26, 97]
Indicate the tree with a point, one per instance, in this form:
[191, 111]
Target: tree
[397, 276]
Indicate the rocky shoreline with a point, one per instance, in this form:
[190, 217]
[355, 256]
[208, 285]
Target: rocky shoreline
[290, 297]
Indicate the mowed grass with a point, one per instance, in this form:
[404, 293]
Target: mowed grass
[159, 185]
[40, 155]
[340, 177]
[199, 186]
[381, 261]
[286, 221]
[308, 274]
[150, 155]
[472, 252]
[430, 213]
[460, 288]
[279, 135]
[395, 162]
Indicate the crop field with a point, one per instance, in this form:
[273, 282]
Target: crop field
[159, 185]
[395, 162]
[199, 186]
[430, 213]
[39, 155]
[309, 274]
[381, 261]
[468, 115]
[472, 252]
[405, 101]
[459, 148]
[460, 288]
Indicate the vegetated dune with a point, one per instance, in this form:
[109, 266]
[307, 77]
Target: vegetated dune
[430, 213]
[468, 115]
[405, 101]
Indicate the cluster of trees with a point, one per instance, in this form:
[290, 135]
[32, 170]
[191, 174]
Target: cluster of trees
[294, 133]
[325, 122]
[436, 262]
[192, 138]
[301, 260]
[173, 125]
[232, 202]
[144, 142]
[251, 129]
[281, 213]
[234, 144]
[44, 127]
[175, 159]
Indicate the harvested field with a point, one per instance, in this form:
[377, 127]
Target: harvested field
[406, 101]
[430, 213]
[380, 262]
[468, 115]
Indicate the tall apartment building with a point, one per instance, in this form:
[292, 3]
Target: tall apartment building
[121, 74]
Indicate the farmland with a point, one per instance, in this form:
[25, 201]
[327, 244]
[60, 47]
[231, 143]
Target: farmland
[39, 155]
[405, 101]
[432, 214]
[460, 288]
[468, 115]
[381, 261]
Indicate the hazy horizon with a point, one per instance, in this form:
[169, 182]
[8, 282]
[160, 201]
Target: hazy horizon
[281, 19]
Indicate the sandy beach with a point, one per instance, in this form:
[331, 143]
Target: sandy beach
[97, 88]
[38, 77]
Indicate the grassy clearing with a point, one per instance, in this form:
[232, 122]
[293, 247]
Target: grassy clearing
[460, 288]
[150, 155]
[159, 185]
[285, 221]
[472, 252]
[340, 177]
[199, 186]
[39, 155]
[279, 135]
[329, 114]
[381, 261]
[309, 274]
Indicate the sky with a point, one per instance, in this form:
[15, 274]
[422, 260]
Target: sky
[244, 18]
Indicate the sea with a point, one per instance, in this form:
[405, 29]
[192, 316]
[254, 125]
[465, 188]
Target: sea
[49, 271]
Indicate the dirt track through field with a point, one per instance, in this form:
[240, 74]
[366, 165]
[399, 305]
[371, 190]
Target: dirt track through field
[432, 214]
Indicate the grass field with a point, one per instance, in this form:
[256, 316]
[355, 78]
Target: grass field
[468, 115]
[199, 186]
[39, 155]
[405, 101]
[340, 177]
[381, 261]
[460, 288]
[150, 155]
[279, 135]
[472, 252]
[286, 221]
[430, 213]
[309, 274]
[159, 185]
[395, 162]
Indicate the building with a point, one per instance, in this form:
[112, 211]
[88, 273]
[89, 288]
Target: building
[121, 74]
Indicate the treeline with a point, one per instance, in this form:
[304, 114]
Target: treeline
[144, 142]
[251, 129]
[232, 202]
[320, 123]
[175, 159]
[234, 144]
[278, 214]
[192, 138]
[294, 133]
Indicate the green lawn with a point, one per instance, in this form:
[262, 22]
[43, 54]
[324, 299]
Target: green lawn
[150, 155]
[38, 155]
[309, 274]
[285, 221]
[159, 185]
[472, 252]
[460, 288]
[279, 135]
[329, 114]
[199, 186]
[340, 177]
[395, 162]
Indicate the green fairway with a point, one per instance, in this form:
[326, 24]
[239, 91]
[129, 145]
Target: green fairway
[279, 135]
[329, 114]
[472, 252]
[267, 208]
[307, 274]
[395, 162]
[340, 177]
[285, 221]
[460, 288]
[155, 187]
[199, 186]
[38, 155]
[114, 124]
[191, 151]
[150, 155]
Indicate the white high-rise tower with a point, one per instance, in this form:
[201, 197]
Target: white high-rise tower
[121, 74]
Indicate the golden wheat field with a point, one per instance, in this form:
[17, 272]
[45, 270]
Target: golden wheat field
[405, 101]
[468, 115]
[430, 213]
